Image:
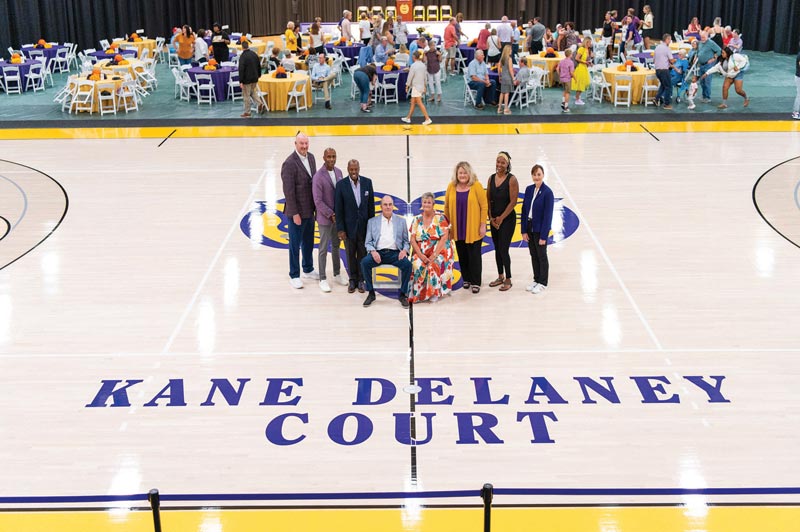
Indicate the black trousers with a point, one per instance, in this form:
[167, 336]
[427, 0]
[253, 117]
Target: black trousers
[502, 242]
[541, 266]
[536, 46]
[469, 260]
[356, 250]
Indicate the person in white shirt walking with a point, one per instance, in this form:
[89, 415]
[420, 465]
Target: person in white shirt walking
[415, 87]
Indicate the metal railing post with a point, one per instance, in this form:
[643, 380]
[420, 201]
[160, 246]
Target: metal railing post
[155, 504]
[487, 492]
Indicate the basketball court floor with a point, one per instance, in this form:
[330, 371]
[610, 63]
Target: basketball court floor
[149, 338]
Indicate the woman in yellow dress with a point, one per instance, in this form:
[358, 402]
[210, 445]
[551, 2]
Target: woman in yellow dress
[291, 38]
[581, 80]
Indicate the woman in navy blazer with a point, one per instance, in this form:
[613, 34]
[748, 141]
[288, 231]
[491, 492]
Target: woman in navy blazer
[536, 219]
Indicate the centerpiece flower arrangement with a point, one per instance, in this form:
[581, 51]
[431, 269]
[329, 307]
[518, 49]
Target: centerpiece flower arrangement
[390, 66]
[16, 59]
[279, 73]
[550, 52]
[628, 66]
[112, 50]
[118, 60]
[473, 43]
[243, 39]
[134, 37]
[96, 75]
[42, 44]
[342, 42]
[211, 65]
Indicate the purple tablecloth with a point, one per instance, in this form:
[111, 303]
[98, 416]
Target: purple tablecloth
[413, 37]
[100, 55]
[219, 77]
[401, 82]
[49, 53]
[23, 70]
[350, 52]
[468, 52]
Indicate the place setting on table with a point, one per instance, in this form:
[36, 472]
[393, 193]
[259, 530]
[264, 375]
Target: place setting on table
[277, 85]
[220, 75]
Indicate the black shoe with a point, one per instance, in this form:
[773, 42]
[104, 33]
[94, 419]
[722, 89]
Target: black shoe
[328, 105]
[351, 287]
[362, 287]
[404, 301]
[366, 110]
[370, 299]
[479, 106]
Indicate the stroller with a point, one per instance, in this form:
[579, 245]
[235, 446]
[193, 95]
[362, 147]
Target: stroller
[683, 84]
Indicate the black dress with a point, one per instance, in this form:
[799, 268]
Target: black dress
[220, 47]
[500, 197]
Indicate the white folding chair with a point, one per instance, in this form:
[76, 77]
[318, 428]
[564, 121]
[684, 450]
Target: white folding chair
[388, 89]
[651, 85]
[205, 89]
[60, 63]
[520, 96]
[64, 96]
[469, 93]
[622, 89]
[35, 77]
[104, 44]
[461, 62]
[536, 85]
[127, 97]
[13, 80]
[600, 87]
[45, 69]
[542, 65]
[297, 93]
[106, 97]
[234, 87]
[261, 97]
[83, 100]
[172, 60]
[159, 53]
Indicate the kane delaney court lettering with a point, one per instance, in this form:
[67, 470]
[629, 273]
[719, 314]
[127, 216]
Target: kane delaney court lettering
[434, 399]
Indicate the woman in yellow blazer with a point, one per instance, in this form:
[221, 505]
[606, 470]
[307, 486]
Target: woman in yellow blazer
[291, 38]
[466, 208]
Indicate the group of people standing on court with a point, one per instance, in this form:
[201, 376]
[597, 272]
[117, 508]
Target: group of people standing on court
[344, 209]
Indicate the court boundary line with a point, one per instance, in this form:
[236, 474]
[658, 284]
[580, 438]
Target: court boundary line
[606, 258]
[758, 209]
[213, 264]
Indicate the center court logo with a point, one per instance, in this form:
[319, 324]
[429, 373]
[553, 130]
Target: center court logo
[266, 224]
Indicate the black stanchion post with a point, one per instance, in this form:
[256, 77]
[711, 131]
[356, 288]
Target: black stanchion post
[487, 492]
[155, 505]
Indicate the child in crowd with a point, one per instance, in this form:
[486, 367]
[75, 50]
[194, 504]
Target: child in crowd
[566, 71]
[691, 93]
[524, 73]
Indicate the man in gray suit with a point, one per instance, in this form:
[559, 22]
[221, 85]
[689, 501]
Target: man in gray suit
[323, 186]
[296, 175]
[387, 243]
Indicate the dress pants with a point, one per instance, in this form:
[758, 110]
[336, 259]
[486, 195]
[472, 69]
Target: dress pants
[301, 239]
[388, 257]
[664, 94]
[541, 266]
[502, 242]
[328, 236]
[356, 250]
[469, 261]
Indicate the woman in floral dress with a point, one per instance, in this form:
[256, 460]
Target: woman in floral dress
[432, 261]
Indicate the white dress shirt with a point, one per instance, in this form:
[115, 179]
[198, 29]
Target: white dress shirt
[304, 160]
[386, 240]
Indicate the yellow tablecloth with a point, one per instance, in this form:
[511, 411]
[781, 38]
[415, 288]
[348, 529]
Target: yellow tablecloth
[149, 44]
[610, 73]
[132, 66]
[551, 62]
[258, 47]
[73, 80]
[675, 46]
[277, 89]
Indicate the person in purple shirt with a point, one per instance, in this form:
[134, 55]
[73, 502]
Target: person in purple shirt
[323, 186]
[662, 61]
[566, 71]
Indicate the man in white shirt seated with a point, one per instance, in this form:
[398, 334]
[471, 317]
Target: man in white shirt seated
[321, 76]
[387, 243]
[383, 51]
[288, 62]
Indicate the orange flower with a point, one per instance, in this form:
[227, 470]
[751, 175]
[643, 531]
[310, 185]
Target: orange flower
[42, 42]
[242, 39]
[628, 63]
[15, 56]
[550, 50]
[212, 62]
[118, 58]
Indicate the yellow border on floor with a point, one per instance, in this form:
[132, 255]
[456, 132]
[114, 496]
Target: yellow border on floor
[605, 519]
[526, 128]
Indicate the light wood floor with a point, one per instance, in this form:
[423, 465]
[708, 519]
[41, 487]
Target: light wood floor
[671, 272]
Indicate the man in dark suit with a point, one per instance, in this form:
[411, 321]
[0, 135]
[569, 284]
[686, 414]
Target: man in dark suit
[354, 206]
[296, 174]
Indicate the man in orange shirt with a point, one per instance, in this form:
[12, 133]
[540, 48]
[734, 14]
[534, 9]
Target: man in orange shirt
[451, 45]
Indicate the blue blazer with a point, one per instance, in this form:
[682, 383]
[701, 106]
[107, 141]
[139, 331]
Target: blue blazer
[400, 232]
[542, 219]
[351, 217]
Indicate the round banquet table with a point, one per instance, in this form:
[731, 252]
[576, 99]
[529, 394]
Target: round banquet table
[132, 67]
[73, 80]
[550, 62]
[467, 52]
[219, 78]
[101, 54]
[680, 45]
[350, 52]
[401, 81]
[414, 37]
[277, 89]
[610, 73]
[49, 53]
[149, 44]
[24, 67]
[259, 47]
[644, 56]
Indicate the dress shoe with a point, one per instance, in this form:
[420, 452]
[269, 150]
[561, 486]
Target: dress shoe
[351, 287]
[403, 301]
[328, 105]
[362, 287]
[245, 115]
[370, 299]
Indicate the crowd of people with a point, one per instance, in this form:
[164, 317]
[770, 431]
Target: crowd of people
[424, 250]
